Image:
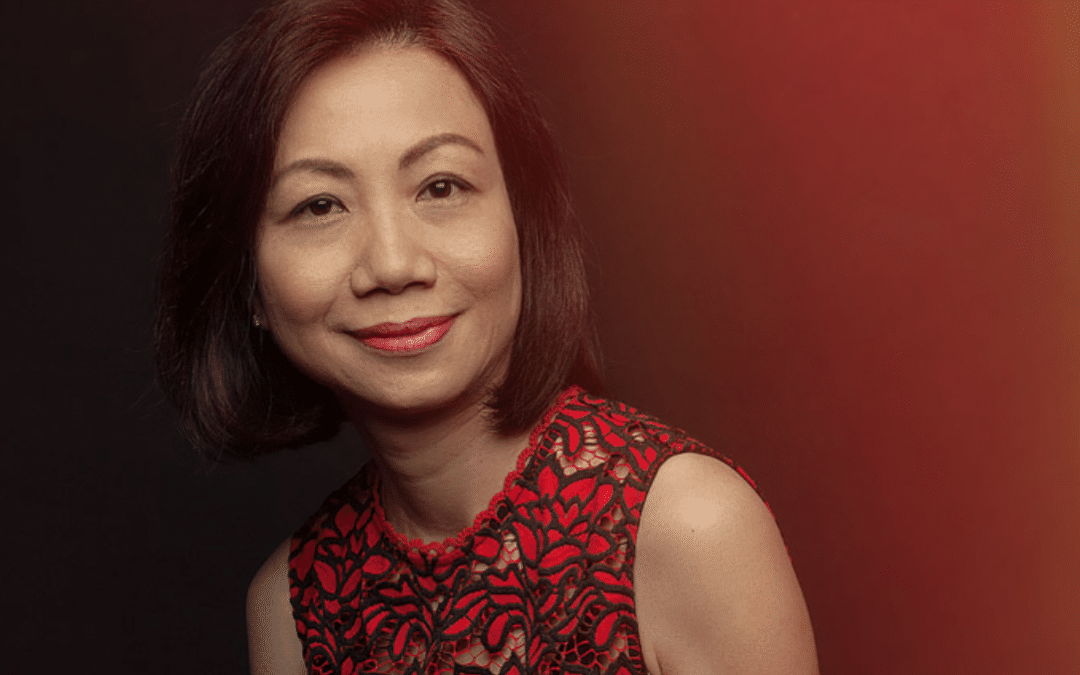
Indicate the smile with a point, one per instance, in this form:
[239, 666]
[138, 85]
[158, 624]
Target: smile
[413, 335]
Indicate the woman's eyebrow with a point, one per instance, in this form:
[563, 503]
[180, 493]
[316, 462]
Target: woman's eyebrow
[432, 142]
[411, 156]
[317, 165]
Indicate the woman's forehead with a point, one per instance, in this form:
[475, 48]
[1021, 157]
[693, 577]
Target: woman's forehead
[381, 99]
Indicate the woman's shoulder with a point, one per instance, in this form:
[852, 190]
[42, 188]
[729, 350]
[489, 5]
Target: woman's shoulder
[690, 483]
[712, 578]
[273, 644]
[695, 492]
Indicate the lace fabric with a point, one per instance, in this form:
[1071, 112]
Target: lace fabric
[541, 583]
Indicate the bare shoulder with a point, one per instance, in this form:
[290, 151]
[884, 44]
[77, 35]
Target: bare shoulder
[714, 588]
[705, 490]
[273, 645]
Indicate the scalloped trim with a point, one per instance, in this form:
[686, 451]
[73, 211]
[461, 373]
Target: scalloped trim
[437, 549]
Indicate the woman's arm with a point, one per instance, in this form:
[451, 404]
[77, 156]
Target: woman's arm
[713, 585]
[273, 645]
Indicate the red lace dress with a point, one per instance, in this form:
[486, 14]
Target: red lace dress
[541, 583]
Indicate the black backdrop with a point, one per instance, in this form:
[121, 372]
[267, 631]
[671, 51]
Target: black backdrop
[122, 550]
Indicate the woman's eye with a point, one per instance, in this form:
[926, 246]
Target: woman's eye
[443, 188]
[322, 206]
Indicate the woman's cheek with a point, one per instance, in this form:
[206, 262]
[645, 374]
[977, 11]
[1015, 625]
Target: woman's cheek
[299, 284]
[489, 260]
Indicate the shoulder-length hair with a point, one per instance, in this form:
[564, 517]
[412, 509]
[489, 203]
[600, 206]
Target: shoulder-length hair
[237, 394]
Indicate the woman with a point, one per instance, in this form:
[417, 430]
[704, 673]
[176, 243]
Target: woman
[370, 224]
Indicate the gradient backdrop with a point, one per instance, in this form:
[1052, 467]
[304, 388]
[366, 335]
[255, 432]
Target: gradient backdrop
[838, 239]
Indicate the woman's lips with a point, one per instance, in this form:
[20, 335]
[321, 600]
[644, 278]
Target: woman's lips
[410, 336]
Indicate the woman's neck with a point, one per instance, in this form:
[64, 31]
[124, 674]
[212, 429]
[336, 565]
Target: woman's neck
[437, 475]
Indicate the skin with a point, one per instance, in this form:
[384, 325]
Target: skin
[388, 204]
[714, 590]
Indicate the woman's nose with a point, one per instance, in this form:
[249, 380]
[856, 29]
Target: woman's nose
[393, 254]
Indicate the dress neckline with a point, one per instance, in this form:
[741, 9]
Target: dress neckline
[438, 549]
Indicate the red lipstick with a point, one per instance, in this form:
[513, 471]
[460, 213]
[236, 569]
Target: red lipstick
[410, 336]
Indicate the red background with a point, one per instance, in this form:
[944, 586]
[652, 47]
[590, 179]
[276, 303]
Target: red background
[839, 240]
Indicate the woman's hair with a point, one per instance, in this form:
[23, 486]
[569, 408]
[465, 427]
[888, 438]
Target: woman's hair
[236, 392]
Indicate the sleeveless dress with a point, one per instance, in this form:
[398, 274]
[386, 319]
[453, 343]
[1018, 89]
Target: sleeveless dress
[541, 583]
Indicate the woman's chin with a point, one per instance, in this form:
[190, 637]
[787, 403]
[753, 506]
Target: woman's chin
[411, 405]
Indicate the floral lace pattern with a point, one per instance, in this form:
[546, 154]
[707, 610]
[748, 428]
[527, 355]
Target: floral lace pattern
[542, 582]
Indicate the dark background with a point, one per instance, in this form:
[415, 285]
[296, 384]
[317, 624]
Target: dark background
[839, 240]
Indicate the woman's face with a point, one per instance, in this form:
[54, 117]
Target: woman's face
[387, 254]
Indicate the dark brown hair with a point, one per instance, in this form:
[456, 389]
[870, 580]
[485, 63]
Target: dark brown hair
[236, 392]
